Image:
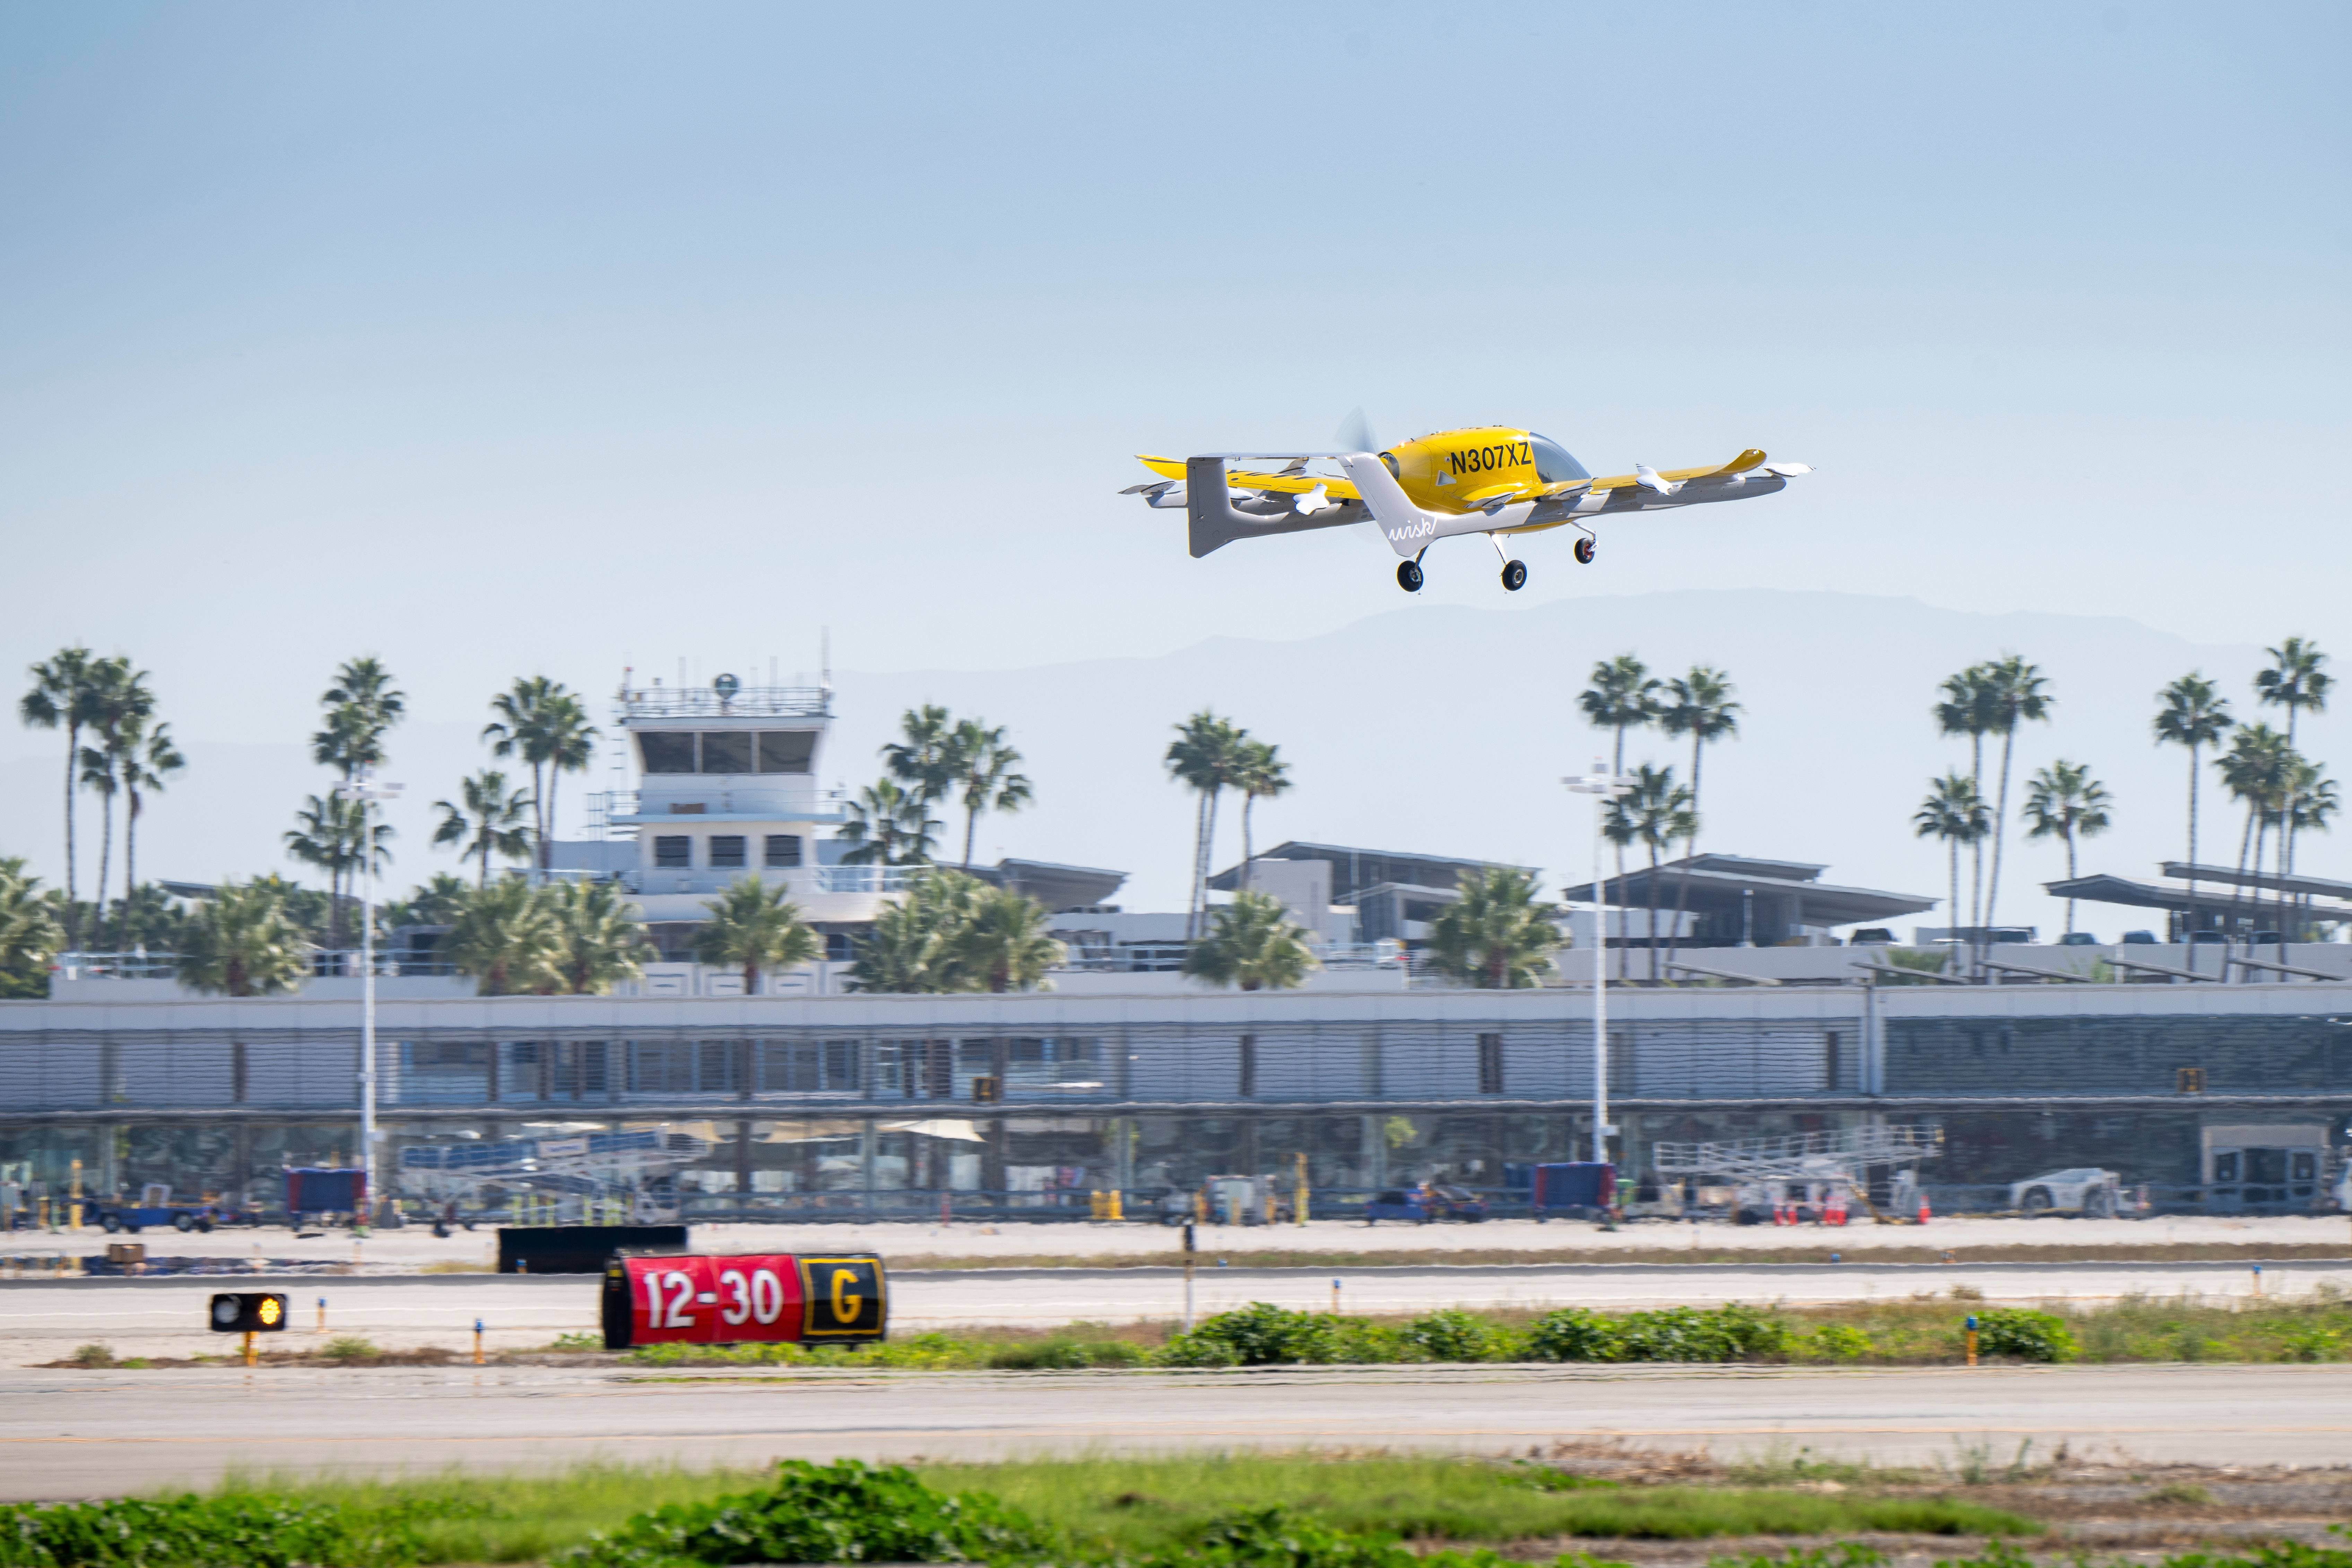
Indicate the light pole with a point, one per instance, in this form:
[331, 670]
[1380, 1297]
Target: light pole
[362, 787]
[1605, 787]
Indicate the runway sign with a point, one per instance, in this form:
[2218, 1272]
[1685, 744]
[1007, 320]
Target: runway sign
[746, 1298]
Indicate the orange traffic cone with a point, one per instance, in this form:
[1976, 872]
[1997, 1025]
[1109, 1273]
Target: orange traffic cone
[1922, 1208]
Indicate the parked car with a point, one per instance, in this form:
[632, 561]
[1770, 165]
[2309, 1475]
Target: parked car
[1871, 936]
[2139, 939]
[2082, 1190]
[2078, 939]
[1419, 1206]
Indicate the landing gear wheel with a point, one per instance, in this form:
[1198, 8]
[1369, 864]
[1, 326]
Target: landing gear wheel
[1584, 553]
[1515, 575]
[1409, 577]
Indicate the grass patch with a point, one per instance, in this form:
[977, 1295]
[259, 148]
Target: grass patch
[1852, 1250]
[1153, 1506]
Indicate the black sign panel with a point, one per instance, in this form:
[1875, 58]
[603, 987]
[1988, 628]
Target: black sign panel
[247, 1312]
[842, 1298]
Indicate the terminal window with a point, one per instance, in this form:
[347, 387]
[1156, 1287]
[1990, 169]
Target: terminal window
[726, 750]
[786, 751]
[667, 752]
[783, 851]
[673, 850]
[727, 849]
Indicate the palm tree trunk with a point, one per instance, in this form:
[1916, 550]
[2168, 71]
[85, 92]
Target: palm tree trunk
[2071, 873]
[73, 752]
[105, 858]
[1690, 853]
[1953, 846]
[2192, 842]
[2245, 841]
[546, 851]
[1209, 853]
[1617, 770]
[1199, 837]
[1976, 845]
[1999, 829]
[129, 864]
[1654, 912]
[970, 830]
[1249, 800]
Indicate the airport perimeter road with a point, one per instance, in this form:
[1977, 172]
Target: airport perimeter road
[67, 1433]
[164, 1317]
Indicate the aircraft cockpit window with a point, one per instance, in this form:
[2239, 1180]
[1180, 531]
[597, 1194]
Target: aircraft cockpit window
[1552, 462]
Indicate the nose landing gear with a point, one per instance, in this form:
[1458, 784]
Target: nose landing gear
[1515, 575]
[1409, 577]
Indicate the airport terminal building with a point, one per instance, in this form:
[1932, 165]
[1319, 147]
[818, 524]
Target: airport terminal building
[2218, 1098]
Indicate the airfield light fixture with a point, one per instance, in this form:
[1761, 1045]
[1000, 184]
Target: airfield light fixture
[1605, 788]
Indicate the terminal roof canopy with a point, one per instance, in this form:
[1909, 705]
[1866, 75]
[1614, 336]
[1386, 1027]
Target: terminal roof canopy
[1786, 895]
[1353, 870]
[2218, 893]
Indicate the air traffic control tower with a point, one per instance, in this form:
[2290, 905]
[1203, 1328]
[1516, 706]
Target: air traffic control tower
[726, 787]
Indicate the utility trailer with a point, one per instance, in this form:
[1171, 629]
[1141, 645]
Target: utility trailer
[1819, 1172]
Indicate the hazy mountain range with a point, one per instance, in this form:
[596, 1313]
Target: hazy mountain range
[1435, 728]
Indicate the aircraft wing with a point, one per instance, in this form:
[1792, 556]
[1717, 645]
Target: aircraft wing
[1748, 459]
[1243, 479]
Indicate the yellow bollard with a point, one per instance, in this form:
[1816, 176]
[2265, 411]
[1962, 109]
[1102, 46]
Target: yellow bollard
[249, 1347]
[477, 1341]
[1972, 1339]
[1302, 1195]
[322, 1315]
[1114, 1213]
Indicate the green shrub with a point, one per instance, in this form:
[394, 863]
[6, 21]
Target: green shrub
[92, 1355]
[1454, 1335]
[2026, 1335]
[1836, 1342]
[1672, 1333]
[1259, 1335]
[350, 1348]
[190, 1531]
[843, 1513]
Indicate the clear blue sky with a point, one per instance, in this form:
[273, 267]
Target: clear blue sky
[556, 338]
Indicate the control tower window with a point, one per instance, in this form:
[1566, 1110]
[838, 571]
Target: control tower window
[674, 850]
[726, 750]
[666, 751]
[727, 850]
[1552, 462]
[783, 851]
[786, 751]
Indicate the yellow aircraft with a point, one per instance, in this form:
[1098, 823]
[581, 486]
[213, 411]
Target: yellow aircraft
[1491, 480]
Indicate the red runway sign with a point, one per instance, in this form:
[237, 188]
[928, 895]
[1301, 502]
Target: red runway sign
[738, 1300]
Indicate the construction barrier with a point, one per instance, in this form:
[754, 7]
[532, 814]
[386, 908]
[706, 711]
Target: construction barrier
[757, 1298]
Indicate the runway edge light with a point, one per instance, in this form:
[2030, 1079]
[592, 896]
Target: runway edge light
[247, 1312]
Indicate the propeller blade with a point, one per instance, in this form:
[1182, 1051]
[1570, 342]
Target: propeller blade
[1355, 434]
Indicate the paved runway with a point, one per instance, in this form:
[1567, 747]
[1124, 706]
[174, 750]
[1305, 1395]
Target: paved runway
[41, 1321]
[71, 1433]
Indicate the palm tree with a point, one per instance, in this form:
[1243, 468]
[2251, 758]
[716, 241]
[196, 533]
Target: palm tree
[2257, 769]
[2194, 716]
[1955, 813]
[60, 698]
[98, 777]
[491, 823]
[1622, 696]
[365, 684]
[1968, 707]
[1652, 812]
[1205, 756]
[120, 704]
[1250, 942]
[915, 945]
[1494, 935]
[147, 763]
[340, 837]
[543, 723]
[2311, 801]
[2064, 801]
[242, 942]
[30, 932]
[598, 938]
[2296, 679]
[984, 764]
[506, 937]
[1698, 705]
[889, 826]
[1003, 945]
[2017, 697]
[926, 754]
[1260, 775]
[147, 919]
[754, 926]
[435, 903]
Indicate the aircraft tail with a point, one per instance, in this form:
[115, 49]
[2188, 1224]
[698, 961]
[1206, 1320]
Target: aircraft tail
[1213, 520]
